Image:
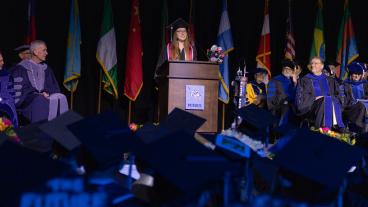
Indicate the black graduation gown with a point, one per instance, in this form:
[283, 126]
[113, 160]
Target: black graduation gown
[163, 58]
[355, 111]
[280, 98]
[314, 110]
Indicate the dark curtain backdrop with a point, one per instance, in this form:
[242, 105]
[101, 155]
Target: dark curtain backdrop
[246, 19]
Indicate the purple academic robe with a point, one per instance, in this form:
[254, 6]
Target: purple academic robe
[7, 106]
[30, 80]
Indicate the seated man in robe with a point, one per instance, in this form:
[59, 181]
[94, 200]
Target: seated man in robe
[281, 93]
[7, 106]
[37, 93]
[256, 89]
[317, 98]
[356, 95]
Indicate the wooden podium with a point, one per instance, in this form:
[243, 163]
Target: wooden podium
[178, 79]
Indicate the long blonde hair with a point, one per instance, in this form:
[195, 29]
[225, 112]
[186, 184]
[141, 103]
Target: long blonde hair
[175, 47]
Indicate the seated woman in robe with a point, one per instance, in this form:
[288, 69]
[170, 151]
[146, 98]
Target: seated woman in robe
[317, 98]
[256, 89]
[356, 98]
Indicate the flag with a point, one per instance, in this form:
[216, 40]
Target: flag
[73, 59]
[318, 43]
[133, 70]
[224, 40]
[290, 42]
[191, 31]
[263, 57]
[31, 22]
[106, 51]
[347, 50]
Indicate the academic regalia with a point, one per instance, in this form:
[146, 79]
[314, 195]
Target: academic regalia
[355, 110]
[30, 81]
[325, 111]
[166, 54]
[7, 105]
[254, 90]
[280, 98]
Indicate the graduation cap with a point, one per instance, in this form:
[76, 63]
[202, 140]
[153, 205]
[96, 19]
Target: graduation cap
[105, 137]
[288, 63]
[23, 169]
[57, 129]
[356, 68]
[177, 119]
[317, 157]
[34, 138]
[178, 23]
[183, 165]
[21, 48]
[255, 121]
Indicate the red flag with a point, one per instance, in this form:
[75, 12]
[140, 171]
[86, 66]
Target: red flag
[290, 42]
[31, 22]
[133, 71]
[264, 49]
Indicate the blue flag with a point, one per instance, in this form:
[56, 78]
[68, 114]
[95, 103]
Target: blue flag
[73, 60]
[224, 40]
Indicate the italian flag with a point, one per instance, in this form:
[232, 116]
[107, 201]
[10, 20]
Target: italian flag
[106, 51]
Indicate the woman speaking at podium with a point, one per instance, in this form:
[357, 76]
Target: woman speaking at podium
[180, 47]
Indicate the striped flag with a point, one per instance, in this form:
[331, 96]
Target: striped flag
[133, 71]
[318, 44]
[290, 42]
[106, 52]
[165, 34]
[224, 40]
[73, 59]
[31, 22]
[263, 57]
[347, 50]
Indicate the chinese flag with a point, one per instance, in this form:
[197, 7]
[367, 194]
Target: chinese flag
[133, 71]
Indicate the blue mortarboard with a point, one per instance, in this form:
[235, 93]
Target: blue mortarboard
[356, 67]
[179, 161]
[34, 138]
[187, 165]
[317, 157]
[57, 129]
[255, 121]
[178, 119]
[105, 136]
[23, 169]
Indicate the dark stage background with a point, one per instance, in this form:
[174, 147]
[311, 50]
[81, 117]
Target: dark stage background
[246, 19]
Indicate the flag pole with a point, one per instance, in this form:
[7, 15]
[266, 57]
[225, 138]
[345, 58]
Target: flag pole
[223, 116]
[99, 93]
[129, 111]
[71, 99]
